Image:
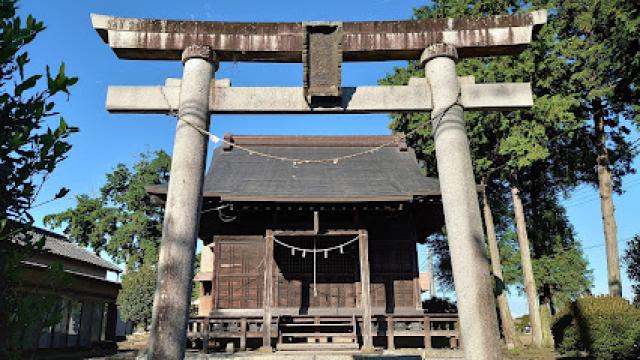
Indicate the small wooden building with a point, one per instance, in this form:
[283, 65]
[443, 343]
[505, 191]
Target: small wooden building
[88, 313]
[305, 255]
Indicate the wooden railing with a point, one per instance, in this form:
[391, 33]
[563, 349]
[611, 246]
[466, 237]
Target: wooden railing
[202, 329]
[427, 326]
[205, 328]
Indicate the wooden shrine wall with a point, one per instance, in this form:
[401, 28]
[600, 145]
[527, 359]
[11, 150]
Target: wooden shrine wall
[336, 275]
[239, 269]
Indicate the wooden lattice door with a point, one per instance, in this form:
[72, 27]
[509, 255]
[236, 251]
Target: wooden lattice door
[239, 272]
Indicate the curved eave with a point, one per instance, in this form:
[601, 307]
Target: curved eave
[161, 191]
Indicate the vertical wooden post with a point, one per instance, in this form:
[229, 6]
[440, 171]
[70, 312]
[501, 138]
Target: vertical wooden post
[205, 335]
[416, 280]
[365, 301]
[316, 222]
[427, 332]
[390, 339]
[112, 320]
[215, 281]
[243, 334]
[267, 291]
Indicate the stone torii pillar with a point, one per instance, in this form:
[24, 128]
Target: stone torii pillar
[476, 308]
[182, 209]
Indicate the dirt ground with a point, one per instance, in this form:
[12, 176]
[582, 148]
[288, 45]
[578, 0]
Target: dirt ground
[135, 344]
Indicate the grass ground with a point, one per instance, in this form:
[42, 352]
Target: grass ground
[529, 353]
[134, 342]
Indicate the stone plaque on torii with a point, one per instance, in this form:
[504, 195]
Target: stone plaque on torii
[321, 47]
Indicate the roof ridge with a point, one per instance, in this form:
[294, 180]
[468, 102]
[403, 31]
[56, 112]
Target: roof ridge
[395, 140]
[48, 232]
[90, 257]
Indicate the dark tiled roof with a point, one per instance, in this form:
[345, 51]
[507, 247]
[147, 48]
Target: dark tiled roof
[59, 245]
[390, 174]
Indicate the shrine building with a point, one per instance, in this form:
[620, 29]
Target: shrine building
[322, 230]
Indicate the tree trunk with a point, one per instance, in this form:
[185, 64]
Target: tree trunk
[508, 329]
[527, 270]
[606, 203]
[546, 313]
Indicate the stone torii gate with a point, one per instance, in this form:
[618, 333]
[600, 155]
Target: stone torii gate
[321, 47]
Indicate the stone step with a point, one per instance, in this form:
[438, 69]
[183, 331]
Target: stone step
[312, 324]
[317, 346]
[310, 334]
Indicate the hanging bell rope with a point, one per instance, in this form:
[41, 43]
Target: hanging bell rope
[315, 267]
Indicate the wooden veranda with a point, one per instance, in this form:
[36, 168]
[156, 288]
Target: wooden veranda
[306, 332]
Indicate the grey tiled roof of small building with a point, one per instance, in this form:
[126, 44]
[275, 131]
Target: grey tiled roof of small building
[57, 244]
[389, 174]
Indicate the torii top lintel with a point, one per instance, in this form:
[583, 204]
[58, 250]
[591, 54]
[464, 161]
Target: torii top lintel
[143, 39]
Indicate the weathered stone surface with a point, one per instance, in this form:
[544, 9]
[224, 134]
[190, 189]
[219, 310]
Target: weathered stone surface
[291, 100]
[200, 52]
[322, 59]
[283, 42]
[436, 50]
[182, 215]
[476, 308]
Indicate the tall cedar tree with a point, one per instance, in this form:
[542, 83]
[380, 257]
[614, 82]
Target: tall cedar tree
[124, 221]
[506, 319]
[602, 43]
[31, 146]
[535, 150]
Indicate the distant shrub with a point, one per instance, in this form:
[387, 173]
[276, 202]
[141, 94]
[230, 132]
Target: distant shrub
[522, 323]
[606, 327]
[565, 332]
[439, 305]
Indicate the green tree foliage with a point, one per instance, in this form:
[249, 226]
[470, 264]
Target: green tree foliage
[632, 260]
[124, 221]
[522, 323]
[195, 286]
[538, 150]
[601, 39]
[552, 270]
[560, 267]
[135, 299]
[32, 143]
[606, 327]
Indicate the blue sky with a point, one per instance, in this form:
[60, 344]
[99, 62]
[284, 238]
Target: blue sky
[105, 140]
